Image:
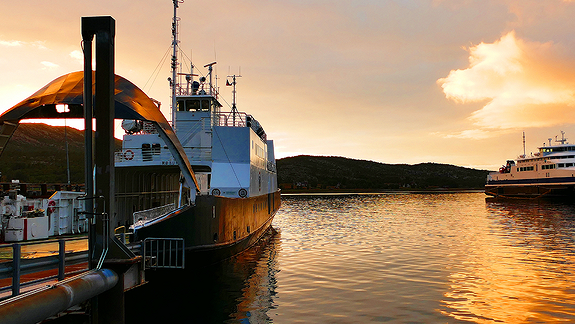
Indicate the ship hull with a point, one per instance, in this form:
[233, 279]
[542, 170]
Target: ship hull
[563, 188]
[215, 228]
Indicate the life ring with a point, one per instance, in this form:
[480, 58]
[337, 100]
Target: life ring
[51, 206]
[243, 193]
[128, 155]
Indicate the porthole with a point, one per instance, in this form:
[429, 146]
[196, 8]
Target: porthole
[216, 192]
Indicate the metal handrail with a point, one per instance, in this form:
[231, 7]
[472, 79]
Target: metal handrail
[163, 253]
[17, 266]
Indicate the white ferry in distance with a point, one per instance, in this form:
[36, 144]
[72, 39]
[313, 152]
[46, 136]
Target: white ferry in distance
[547, 173]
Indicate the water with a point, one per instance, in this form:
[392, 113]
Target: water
[386, 258]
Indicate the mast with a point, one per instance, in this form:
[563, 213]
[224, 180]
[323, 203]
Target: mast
[173, 83]
[524, 145]
[234, 108]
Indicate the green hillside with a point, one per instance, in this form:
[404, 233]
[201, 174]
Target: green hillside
[338, 172]
[36, 153]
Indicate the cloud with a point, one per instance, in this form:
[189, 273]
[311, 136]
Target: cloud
[524, 84]
[77, 55]
[10, 43]
[49, 65]
[475, 134]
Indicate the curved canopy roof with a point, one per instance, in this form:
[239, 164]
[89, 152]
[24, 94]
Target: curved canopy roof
[130, 103]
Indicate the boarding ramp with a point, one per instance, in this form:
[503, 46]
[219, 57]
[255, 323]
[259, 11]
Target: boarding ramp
[144, 216]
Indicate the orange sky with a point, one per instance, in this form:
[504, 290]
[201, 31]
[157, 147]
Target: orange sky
[405, 81]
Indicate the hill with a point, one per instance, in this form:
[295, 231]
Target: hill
[36, 153]
[337, 172]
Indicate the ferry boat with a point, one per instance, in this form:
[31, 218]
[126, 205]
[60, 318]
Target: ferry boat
[209, 178]
[235, 194]
[548, 173]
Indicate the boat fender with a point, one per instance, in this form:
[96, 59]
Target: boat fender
[216, 192]
[128, 155]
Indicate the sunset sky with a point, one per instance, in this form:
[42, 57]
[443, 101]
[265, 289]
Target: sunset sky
[406, 81]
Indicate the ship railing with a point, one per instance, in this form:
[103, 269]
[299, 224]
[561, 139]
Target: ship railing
[164, 253]
[144, 216]
[231, 119]
[199, 154]
[39, 261]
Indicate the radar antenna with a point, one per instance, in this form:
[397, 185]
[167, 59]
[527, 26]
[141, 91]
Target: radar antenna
[563, 140]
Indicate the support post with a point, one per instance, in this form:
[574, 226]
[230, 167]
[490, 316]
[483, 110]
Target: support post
[15, 269]
[109, 307]
[87, 36]
[61, 259]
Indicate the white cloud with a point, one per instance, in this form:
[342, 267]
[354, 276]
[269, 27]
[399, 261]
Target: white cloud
[49, 65]
[524, 84]
[77, 55]
[11, 43]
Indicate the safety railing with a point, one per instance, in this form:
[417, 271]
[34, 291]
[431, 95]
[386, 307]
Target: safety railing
[144, 216]
[21, 263]
[232, 119]
[164, 253]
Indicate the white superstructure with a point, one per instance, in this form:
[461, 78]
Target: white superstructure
[229, 151]
[550, 171]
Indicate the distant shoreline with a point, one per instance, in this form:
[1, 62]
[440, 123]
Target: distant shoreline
[377, 191]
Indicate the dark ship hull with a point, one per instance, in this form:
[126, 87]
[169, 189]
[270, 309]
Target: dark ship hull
[215, 228]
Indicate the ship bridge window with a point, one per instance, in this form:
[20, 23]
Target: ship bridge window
[195, 105]
[205, 105]
[529, 168]
[181, 105]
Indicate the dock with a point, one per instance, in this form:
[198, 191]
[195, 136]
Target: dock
[47, 278]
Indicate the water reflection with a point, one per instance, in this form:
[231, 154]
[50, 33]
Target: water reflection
[427, 258]
[519, 267]
[239, 290]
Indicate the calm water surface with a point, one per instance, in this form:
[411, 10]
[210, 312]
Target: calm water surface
[395, 258]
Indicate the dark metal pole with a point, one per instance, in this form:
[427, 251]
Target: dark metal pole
[104, 113]
[15, 269]
[61, 259]
[109, 307]
[87, 36]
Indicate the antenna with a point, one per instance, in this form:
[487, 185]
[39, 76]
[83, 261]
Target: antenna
[173, 82]
[210, 69]
[233, 83]
[524, 144]
[563, 140]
